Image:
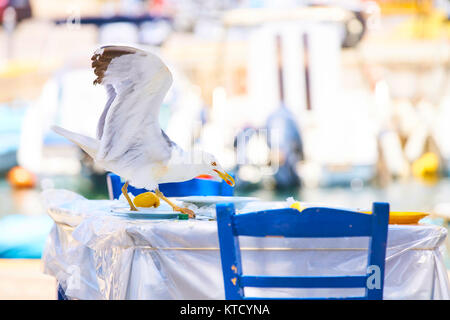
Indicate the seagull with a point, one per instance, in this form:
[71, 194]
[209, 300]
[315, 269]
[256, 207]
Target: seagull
[130, 141]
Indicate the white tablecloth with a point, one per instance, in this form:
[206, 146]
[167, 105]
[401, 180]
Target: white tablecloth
[95, 255]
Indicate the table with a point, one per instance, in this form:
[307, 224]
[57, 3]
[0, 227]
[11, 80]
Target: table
[95, 255]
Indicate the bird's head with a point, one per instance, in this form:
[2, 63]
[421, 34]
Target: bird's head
[215, 169]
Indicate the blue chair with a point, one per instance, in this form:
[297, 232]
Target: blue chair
[194, 187]
[61, 295]
[310, 223]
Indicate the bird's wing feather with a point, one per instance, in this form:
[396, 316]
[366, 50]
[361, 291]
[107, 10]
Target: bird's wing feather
[101, 122]
[137, 82]
[168, 140]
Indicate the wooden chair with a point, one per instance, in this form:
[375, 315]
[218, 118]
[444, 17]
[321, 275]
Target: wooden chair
[310, 223]
[194, 187]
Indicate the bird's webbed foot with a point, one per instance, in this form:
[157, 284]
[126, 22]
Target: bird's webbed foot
[187, 211]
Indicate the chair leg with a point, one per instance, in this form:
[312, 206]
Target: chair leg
[61, 294]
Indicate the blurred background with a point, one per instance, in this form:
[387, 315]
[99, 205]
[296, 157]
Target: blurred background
[338, 102]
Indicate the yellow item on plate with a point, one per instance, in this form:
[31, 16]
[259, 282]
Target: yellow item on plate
[404, 217]
[296, 205]
[146, 200]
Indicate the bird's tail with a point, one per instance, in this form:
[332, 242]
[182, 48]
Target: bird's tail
[88, 144]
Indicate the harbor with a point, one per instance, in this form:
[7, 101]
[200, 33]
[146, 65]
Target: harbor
[116, 114]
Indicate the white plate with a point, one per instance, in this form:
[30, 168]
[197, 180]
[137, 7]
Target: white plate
[201, 201]
[145, 213]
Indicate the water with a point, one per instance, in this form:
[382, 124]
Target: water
[28, 201]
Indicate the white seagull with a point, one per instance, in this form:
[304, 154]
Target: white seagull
[130, 141]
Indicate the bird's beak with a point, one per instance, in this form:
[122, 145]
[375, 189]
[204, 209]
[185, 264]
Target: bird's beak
[225, 176]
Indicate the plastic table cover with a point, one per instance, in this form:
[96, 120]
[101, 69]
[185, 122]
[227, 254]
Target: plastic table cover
[95, 255]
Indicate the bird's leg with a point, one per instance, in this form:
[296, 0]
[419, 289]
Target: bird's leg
[174, 206]
[125, 193]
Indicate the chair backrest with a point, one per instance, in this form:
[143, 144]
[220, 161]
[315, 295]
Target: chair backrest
[310, 223]
[194, 187]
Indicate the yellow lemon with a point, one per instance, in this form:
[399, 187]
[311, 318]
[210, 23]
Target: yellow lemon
[296, 205]
[146, 200]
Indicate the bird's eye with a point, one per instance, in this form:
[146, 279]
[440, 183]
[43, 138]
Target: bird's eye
[213, 164]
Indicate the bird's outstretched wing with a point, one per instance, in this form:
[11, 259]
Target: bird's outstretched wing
[136, 82]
